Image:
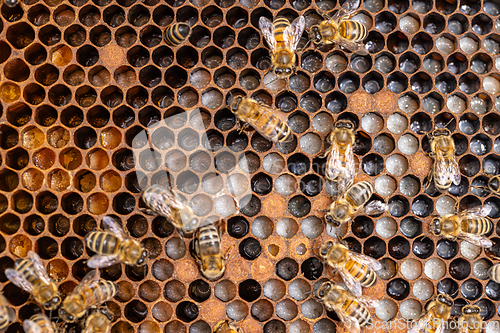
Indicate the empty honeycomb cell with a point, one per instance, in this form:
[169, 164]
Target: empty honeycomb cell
[16, 297]
[17, 158]
[46, 247]
[16, 70]
[72, 248]
[20, 35]
[135, 311]
[59, 225]
[72, 203]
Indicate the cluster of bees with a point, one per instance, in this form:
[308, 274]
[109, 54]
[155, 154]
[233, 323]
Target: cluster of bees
[113, 245]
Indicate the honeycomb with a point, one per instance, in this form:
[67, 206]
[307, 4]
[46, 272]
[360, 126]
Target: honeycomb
[95, 107]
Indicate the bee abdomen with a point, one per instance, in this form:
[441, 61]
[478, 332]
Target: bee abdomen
[477, 225]
[358, 312]
[353, 31]
[495, 273]
[360, 193]
[104, 291]
[362, 273]
[177, 33]
[275, 129]
[101, 242]
[26, 268]
[208, 238]
[4, 318]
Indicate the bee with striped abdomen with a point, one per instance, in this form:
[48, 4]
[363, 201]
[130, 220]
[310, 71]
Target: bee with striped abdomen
[262, 118]
[340, 166]
[469, 225]
[39, 323]
[445, 170]
[436, 315]
[352, 310]
[470, 321]
[283, 39]
[7, 314]
[98, 322]
[357, 270]
[114, 245]
[30, 274]
[226, 327]
[89, 293]
[355, 198]
[164, 202]
[206, 249]
[176, 33]
[340, 29]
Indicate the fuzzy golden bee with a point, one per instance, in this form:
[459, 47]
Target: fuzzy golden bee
[357, 270]
[340, 29]
[493, 185]
[39, 323]
[283, 39]
[226, 327]
[262, 118]
[177, 33]
[206, 249]
[98, 322]
[340, 166]
[470, 321]
[89, 293]
[7, 314]
[434, 318]
[351, 309]
[445, 170]
[114, 245]
[164, 202]
[469, 225]
[355, 198]
[30, 275]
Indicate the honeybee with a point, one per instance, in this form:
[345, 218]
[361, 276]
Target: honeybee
[176, 33]
[340, 29]
[113, 246]
[226, 327]
[262, 118]
[445, 170]
[493, 185]
[468, 225]
[433, 319]
[470, 321]
[7, 314]
[340, 167]
[356, 196]
[39, 323]
[357, 270]
[89, 293]
[283, 39]
[30, 274]
[206, 249]
[351, 309]
[164, 202]
[97, 322]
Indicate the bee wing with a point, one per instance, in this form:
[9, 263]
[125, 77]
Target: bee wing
[19, 280]
[482, 211]
[31, 327]
[100, 261]
[440, 328]
[421, 323]
[375, 207]
[368, 301]
[89, 278]
[445, 171]
[476, 239]
[350, 323]
[292, 33]
[267, 28]
[366, 260]
[346, 11]
[110, 224]
[39, 267]
[353, 285]
[10, 311]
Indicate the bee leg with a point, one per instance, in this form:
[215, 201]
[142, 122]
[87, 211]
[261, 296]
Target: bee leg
[228, 252]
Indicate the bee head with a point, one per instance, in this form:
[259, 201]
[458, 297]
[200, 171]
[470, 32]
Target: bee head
[143, 257]
[314, 34]
[235, 102]
[282, 72]
[441, 132]
[323, 289]
[330, 220]
[65, 316]
[445, 299]
[471, 309]
[435, 226]
[323, 250]
[344, 123]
